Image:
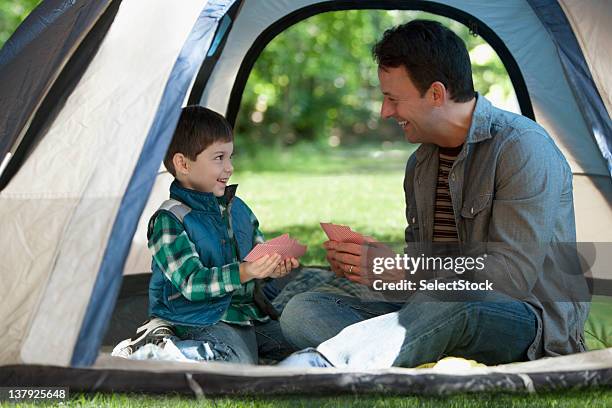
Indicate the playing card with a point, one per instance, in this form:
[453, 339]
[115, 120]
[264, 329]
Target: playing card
[333, 231]
[342, 233]
[283, 245]
[280, 240]
[297, 250]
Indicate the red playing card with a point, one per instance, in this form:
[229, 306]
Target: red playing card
[297, 250]
[283, 245]
[342, 233]
[263, 249]
[353, 238]
[329, 230]
[281, 239]
[257, 252]
[334, 232]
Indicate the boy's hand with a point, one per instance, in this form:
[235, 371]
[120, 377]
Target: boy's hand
[285, 267]
[259, 269]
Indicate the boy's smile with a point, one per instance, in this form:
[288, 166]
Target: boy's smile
[211, 170]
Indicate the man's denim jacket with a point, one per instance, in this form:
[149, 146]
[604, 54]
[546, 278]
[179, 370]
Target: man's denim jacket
[511, 185]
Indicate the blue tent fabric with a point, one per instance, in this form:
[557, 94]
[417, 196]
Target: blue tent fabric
[577, 72]
[108, 282]
[36, 24]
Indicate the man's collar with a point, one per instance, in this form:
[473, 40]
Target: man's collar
[480, 128]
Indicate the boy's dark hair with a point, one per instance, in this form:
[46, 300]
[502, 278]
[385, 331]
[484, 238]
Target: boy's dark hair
[430, 52]
[197, 128]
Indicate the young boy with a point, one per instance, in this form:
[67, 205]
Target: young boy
[198, 238]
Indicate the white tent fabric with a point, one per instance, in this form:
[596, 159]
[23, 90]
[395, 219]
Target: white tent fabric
[590, 21]
[58, 210]
[139, 258]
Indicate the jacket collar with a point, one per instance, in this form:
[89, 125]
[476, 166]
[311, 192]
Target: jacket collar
[480, 128]
[198, 200]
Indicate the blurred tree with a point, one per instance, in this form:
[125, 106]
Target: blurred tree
[314, 81]
[317, 81]
[12, 13]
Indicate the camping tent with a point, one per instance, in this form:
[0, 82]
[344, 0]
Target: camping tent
[90, 94]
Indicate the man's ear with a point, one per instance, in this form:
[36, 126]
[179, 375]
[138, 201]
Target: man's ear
[181, 166]
[437, 94]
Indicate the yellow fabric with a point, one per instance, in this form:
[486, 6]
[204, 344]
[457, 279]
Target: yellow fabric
[452, 362]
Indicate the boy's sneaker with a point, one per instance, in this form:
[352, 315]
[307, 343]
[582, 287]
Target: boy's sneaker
[153, 331]
[309, 357]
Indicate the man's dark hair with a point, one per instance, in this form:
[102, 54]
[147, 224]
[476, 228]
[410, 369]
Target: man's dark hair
[430, 52]
[197, 128]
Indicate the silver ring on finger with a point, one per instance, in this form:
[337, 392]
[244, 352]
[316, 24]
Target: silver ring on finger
[350, 269]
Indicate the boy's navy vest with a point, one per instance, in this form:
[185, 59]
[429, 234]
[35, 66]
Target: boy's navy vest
[202, 220]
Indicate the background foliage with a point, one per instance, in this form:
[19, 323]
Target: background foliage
[317, 83]
[12, 13]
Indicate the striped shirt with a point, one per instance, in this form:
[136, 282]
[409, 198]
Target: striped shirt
[178, 259]
[445, 228]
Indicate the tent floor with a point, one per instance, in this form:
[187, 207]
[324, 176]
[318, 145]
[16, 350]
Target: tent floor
[110, 374]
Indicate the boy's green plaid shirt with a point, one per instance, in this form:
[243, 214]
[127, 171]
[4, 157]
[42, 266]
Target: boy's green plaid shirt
[177, 257]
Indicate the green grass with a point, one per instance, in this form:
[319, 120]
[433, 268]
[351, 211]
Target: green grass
[360, 187]
[316, 159]
[598, 328]
[296, 203]
[571, 398]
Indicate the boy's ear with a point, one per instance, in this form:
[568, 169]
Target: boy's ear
[180, 164]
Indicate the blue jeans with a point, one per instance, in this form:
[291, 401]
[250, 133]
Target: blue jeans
[491, 329]
[233, 343]
[248, 344]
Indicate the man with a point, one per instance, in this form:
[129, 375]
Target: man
[481, 177]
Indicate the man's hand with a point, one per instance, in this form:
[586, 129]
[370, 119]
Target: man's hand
[284, 268]
[345, 259]
[259, 269]
[330, 256]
